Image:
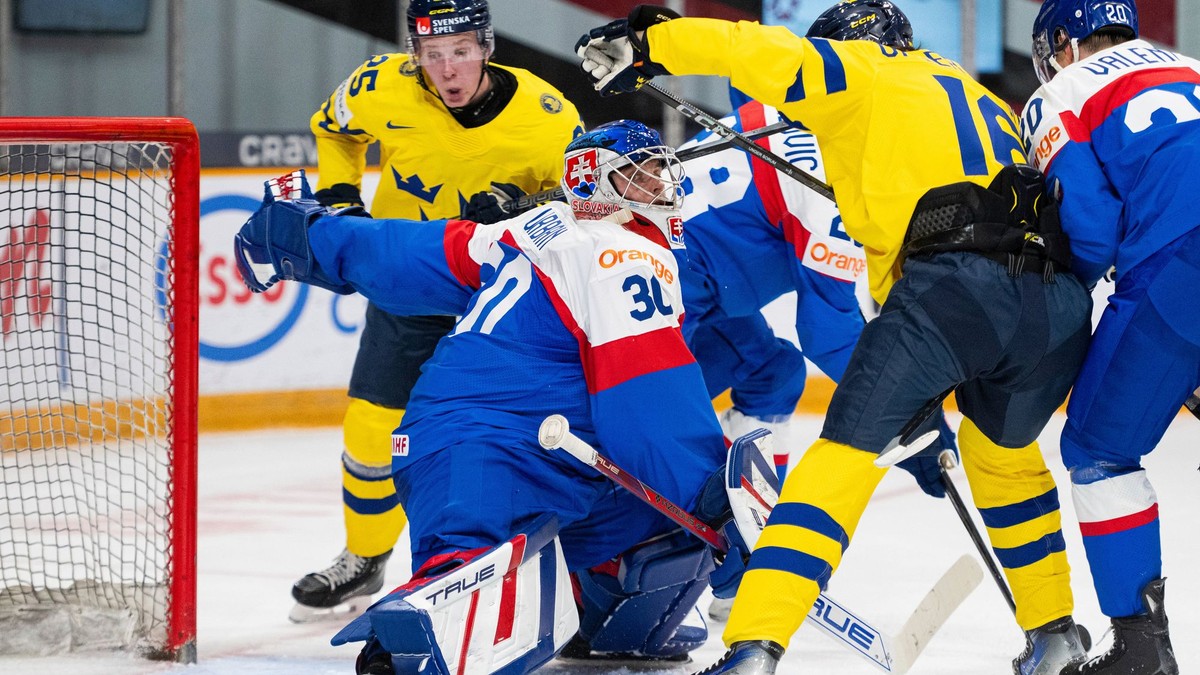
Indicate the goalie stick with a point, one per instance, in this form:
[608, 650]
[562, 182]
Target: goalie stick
[555, 194]
[740, 140]
[891, 653]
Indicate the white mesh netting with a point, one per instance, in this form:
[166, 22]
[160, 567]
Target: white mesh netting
[85, 396]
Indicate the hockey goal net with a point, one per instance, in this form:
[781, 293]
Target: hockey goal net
[98, 379]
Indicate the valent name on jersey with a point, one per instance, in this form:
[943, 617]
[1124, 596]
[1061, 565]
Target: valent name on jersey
[1130, 57]
[544, 228]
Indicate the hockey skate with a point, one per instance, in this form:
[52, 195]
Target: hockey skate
[758, 657]
[340, 590]
[1141, 644]
[1057, 647]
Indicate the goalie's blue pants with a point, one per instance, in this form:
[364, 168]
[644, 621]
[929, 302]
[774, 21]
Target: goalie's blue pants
[478, 493]
[1143, 362]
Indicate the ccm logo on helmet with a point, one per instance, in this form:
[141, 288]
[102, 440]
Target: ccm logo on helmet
[610, 258]
[864, 21]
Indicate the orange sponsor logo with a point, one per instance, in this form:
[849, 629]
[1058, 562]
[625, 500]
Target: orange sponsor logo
[610, 258]
[1045, 147]
[823, 254]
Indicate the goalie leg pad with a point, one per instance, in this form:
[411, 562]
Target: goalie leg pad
[505, 610]
[638, 611]
[738, 502]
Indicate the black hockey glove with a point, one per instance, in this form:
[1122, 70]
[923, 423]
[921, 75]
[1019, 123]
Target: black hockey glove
[493, 205]
[615, 58]
[339, 195]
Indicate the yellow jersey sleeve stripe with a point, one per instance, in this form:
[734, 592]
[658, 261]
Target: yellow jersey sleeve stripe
[795, 92]
[835, 72]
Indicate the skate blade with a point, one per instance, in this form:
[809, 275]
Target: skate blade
[351, 608]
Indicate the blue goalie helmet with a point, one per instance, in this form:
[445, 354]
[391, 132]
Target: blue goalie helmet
[439, 18]
[875, 20]
[1063, 22]
[625, 165]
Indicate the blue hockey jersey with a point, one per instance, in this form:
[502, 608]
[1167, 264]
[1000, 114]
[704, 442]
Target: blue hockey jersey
[753, 234]
[1121, 124]
[558, 316]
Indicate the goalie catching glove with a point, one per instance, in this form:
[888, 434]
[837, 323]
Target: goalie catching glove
[616, 58]
[274, 241]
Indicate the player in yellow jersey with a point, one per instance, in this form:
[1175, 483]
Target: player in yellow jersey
[450, 124]
[964, 253]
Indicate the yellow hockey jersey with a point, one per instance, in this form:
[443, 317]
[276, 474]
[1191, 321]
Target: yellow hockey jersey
[430, 164]
[882, 152]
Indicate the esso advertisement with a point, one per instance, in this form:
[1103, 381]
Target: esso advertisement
[292, 336]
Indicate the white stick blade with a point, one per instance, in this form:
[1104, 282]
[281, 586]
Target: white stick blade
[941, 601]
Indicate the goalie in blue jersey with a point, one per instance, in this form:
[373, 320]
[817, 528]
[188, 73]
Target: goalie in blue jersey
[571, 309]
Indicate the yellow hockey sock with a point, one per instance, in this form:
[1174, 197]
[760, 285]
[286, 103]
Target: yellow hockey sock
[822, 500]
[374, 519]
[1018, 500]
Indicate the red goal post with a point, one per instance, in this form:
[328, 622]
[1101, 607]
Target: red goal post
[99, 311]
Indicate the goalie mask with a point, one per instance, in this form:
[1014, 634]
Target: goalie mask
[875, 20]
[625, 165]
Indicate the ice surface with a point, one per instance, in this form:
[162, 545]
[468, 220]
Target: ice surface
[270, 512]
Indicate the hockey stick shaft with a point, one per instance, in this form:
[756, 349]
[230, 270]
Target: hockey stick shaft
[976, 538]
[946, 462]
[555, 432]
[526, 202]
[1193, 403]
[740, 140]
[831, 617]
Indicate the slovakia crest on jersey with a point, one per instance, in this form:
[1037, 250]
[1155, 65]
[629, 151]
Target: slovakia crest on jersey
[675, 223]
[581, 174]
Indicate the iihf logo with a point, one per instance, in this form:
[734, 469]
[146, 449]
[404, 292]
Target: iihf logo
[581, 174]
[400, 445]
